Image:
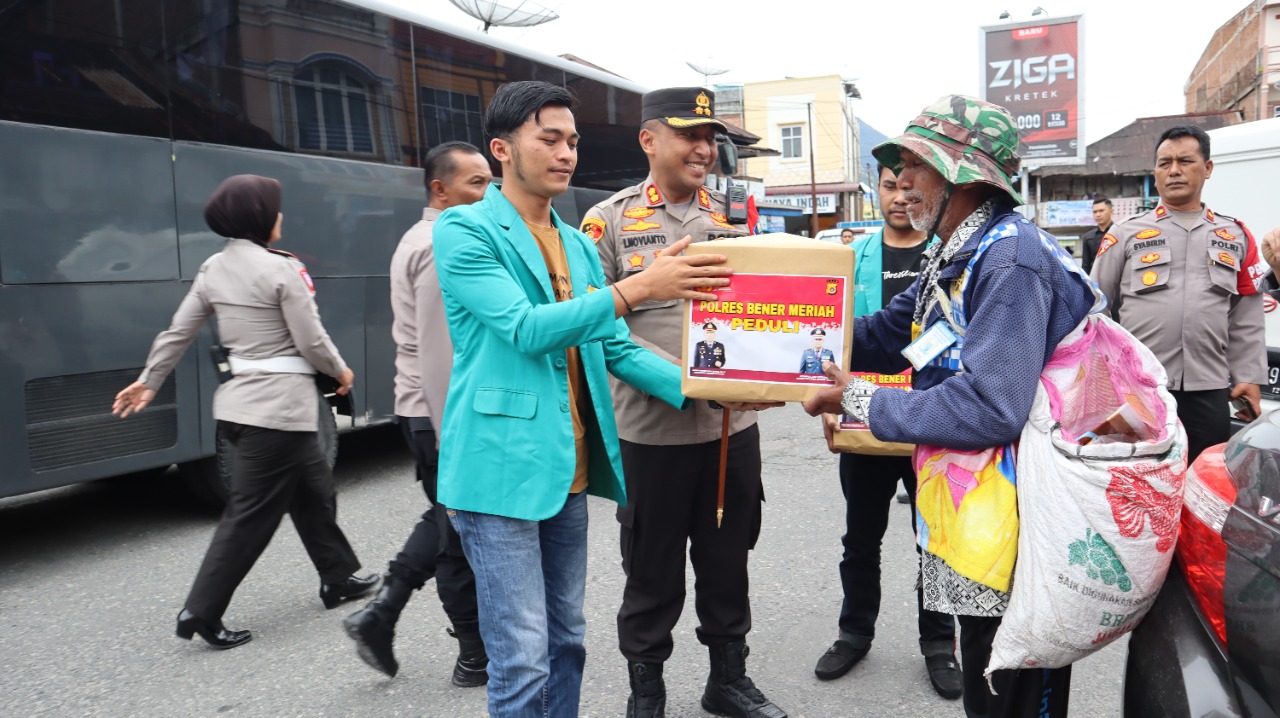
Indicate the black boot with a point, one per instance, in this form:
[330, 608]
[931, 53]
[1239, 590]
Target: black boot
[648, 692]
[471, 669]
[373, 627]
[729, 691]
[334, 594]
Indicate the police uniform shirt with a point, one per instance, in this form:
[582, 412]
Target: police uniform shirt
[710, 355]
[266, 308]
[628, 228]
[1190, 294]
[415, 302]
[811, 361]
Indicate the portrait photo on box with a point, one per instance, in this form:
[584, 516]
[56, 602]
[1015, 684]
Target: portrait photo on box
[769, 328]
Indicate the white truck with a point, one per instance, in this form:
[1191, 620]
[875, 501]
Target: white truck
[1246, 184]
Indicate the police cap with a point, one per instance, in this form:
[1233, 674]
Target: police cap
[680, 107]
[818, 332]
[709, 326]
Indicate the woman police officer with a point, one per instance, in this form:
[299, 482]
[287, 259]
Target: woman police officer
[268, 409]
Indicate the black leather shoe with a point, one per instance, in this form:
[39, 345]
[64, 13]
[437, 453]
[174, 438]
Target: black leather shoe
[213, 632]
[471, 670]
[839, 658]
[334, 594]
[946, 676]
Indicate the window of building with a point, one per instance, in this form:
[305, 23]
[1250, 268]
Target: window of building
[332, 107]
[1275, 111]
[792, 142]
[451, 117]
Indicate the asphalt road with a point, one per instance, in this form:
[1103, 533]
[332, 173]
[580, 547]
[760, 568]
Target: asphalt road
[92, 576]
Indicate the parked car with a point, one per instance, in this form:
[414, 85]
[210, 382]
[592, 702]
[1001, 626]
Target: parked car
[1210, 645]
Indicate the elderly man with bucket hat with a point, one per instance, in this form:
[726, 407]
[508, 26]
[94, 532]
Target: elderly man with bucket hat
[994, 298]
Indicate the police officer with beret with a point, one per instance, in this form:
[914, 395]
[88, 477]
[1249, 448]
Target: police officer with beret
[710, 354]
[1185, 281]
[670, 458]
[811, 361]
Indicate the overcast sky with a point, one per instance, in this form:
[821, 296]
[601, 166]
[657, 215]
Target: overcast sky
[1137, 55]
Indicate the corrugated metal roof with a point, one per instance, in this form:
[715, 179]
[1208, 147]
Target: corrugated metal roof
[1131, 149]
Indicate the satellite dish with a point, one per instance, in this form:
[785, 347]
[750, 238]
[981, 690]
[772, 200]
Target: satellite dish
[705, 69]
[515, 13]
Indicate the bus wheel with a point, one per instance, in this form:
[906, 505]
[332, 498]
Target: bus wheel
[209, 479]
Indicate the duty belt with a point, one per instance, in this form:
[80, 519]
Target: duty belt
[272, 365]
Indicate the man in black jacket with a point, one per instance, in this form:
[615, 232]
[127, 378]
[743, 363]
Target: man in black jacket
[1093, 240]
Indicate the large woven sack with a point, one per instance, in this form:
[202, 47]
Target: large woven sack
[1099, 519]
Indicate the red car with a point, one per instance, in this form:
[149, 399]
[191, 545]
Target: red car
[1210, 645]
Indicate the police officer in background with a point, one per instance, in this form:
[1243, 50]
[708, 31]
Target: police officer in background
[710, 353]
[1185, 281]
[811, 360]
[670, 458]
[267, 319]
[456, 174]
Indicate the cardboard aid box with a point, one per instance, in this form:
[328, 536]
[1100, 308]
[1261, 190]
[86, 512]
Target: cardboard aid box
[788, 306]
[856, 437]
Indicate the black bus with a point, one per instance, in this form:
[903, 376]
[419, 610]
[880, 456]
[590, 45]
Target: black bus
[117, 120]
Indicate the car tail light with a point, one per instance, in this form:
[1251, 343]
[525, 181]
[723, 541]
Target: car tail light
[1210, 493]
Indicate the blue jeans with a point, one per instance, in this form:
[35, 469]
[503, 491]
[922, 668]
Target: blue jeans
[531, 577]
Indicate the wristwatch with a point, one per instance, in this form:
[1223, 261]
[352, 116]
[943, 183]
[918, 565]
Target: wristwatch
[856, 400]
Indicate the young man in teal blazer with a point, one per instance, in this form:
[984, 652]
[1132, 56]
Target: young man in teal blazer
[529, 427]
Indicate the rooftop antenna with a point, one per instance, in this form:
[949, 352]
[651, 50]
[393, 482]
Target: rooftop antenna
[514, 13]
[705, 69]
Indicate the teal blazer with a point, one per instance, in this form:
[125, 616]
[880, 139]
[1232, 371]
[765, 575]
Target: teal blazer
[868, 273]
[506, 437]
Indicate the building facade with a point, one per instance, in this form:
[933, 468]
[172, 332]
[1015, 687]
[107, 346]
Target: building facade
[1240, 67]
[810, 121]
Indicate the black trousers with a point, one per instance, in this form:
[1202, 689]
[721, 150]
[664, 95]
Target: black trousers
[869, 484]
[434, 548]
[273, 472]
[671, 494]
[1028, 693]
[1206, 416]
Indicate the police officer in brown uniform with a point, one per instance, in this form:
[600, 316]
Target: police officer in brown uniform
[264, 300]
[1185, 281]
[671, 458]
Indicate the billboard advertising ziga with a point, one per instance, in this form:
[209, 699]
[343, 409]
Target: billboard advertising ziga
[1034, 71]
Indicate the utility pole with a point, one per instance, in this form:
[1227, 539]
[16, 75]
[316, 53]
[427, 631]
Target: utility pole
[813, 181]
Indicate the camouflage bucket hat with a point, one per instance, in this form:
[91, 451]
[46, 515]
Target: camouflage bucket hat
[965, 139]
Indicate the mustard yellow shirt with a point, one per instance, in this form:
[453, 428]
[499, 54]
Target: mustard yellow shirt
[552, 249]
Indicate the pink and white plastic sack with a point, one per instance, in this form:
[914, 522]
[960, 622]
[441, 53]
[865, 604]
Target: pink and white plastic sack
[1098, 521]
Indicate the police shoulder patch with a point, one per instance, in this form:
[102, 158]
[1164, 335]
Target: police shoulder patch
[593, 227]
[1108, 241]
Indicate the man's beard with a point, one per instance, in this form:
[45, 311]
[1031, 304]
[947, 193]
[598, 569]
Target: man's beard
[923, 211]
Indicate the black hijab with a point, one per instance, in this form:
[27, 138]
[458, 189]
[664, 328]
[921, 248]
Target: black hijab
[244, 207]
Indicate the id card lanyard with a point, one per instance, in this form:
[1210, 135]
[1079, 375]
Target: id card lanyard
[946, 335]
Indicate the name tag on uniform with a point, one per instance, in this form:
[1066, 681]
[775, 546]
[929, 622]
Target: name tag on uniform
[933, 342]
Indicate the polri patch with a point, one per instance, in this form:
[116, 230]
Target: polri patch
[593, 228]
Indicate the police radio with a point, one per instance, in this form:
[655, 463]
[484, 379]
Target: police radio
[735, 192]
[221, 361]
